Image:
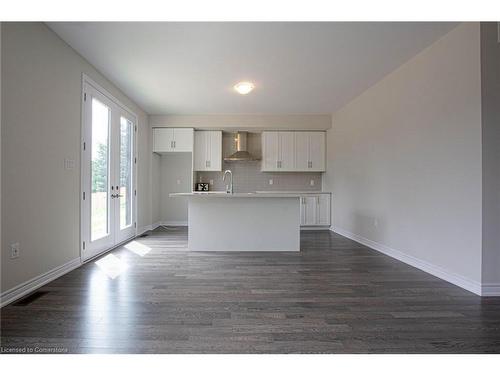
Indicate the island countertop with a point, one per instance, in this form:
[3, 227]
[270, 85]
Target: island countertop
[257, 194]
[214, 194]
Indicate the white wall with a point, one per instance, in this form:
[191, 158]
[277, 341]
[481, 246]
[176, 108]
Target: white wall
[156, 189]
[490, 71]
[245, 121]
[41, 122]
[175, 177]
[404, 160]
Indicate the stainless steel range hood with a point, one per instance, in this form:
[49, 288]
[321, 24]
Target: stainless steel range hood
[241, 153]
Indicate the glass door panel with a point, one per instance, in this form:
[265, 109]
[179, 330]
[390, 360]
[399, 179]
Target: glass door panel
[100, 168]
[126, 163]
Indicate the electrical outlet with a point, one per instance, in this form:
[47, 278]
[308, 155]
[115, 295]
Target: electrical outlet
[311, 183]
[178, 182]
[211, 182]
[375, 222]
[14, 250]
[271, 181]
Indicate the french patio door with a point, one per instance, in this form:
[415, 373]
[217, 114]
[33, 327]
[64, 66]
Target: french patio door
[108, 173]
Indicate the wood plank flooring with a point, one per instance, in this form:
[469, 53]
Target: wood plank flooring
[335, 296]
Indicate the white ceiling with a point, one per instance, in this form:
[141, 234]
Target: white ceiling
[190, 68]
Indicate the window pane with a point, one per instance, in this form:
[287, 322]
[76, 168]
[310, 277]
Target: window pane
[126, 160]
[99, 226]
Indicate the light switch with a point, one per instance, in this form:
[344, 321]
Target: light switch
[271, 181]
[178, 182]
[312, 183]
[69, 164]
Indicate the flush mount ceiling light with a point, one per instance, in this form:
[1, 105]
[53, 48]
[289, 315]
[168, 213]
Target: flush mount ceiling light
[244, 88]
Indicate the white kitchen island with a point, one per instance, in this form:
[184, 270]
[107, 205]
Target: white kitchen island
[242, 221]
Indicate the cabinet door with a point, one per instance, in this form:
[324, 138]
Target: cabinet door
[270, 151]
[302, 151]
[324, 209]
[302, 211]
[214, 151]
[200, 150]
[286, 151]
[163, 139]
[183, 139]
[311, 205]
[317, 151]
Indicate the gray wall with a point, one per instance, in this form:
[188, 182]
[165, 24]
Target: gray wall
[404, 158]
[156, 189]
[41, 123]
[175, 177]
[490, 79]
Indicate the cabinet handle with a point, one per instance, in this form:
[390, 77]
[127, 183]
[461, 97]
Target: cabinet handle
[174, 144]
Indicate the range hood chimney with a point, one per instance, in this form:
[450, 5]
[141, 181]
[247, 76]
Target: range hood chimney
[241, 153]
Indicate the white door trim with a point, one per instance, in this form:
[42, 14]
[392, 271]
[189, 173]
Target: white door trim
[89, 81]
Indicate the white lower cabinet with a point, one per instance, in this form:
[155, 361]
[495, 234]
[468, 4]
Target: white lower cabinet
[315, 210]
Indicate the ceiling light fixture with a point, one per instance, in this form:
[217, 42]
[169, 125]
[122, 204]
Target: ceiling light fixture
[244, 88]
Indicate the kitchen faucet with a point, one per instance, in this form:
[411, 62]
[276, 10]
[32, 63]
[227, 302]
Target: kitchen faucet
[229, 188]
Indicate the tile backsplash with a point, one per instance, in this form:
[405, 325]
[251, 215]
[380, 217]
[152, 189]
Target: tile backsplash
[247, 176]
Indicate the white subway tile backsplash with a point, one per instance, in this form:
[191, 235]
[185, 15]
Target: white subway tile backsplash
[247, 177]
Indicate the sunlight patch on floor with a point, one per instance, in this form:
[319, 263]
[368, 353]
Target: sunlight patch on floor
[111, 265]
[138, 248]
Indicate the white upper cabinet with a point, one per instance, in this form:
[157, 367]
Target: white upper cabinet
[270, 151]
[286, 151]
[310, 151]
[172, 140]
[302, 151]
[317, 149]
[293, 151]
[207, 150]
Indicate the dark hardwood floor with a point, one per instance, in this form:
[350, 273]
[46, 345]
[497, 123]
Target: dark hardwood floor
[335, 296]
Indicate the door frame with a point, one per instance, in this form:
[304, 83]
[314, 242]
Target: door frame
[86, 80]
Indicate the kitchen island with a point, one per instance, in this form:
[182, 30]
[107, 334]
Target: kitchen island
[219, 221]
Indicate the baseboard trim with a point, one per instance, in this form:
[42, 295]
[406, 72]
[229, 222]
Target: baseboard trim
[147, 228]
[460, 281]
[323, 227]
[490, 290]
[29, 286]
[181, 223]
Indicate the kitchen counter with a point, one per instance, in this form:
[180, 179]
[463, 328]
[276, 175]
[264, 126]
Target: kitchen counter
[218, 221]
[222, 194]
[257, 194]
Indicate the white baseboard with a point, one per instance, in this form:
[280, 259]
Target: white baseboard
[315, 227]
[29, 286]
[182, 223]
[490, 290]
[148, 228]
[465, 283]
